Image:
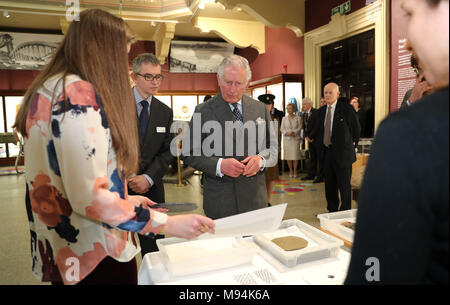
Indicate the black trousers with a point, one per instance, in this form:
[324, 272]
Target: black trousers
[337, 181]
[315, 168]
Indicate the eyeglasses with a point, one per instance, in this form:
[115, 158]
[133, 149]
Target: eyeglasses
[151, 77]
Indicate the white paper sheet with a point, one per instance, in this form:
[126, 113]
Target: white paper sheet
[250, 223]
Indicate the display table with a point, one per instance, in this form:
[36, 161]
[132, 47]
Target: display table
[264, 270]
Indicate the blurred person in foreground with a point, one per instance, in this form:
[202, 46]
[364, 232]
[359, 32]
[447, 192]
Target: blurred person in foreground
[78, 120]
[402, 229]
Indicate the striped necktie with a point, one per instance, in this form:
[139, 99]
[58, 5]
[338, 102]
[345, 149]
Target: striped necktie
[237, 113]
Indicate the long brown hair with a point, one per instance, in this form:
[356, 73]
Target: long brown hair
[95, 49]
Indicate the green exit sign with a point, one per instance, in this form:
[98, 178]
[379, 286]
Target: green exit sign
[344, 8]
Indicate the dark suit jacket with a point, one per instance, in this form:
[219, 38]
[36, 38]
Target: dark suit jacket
[313, 129]
[308, 125]
[362, 118]
[345, 132]
[155, 149]
[278, 114]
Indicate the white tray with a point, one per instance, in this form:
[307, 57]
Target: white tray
[332, 222]
[183, 257]
[320, 244]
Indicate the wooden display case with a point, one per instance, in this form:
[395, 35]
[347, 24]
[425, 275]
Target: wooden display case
[283, 86]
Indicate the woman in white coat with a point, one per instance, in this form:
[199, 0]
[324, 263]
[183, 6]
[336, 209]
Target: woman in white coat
[290, 129]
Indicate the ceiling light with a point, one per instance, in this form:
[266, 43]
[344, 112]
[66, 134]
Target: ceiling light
[6, 14]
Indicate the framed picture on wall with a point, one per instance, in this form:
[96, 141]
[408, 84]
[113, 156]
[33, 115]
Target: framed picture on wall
[197, 56]
[27, 51]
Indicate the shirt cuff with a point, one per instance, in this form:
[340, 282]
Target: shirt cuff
[152, 228]
[263, 166]
[150, 180]
[218, 171]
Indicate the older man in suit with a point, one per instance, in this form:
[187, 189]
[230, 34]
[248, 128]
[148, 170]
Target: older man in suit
[339, 132]
[231, 139]
[154, 119]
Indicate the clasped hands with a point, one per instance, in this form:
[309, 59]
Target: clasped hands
[290, 134]
[139, 184]
[247, 167]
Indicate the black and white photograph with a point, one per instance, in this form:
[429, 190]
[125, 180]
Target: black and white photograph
[197, 56]
[27, 51]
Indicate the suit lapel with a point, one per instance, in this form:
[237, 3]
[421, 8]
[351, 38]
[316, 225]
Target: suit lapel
[323, 113]
[336, 116]
[247, 109]
[223, 111]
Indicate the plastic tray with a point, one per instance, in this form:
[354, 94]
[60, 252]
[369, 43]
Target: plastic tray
[183, 257]
[320, 244]
[332, 222]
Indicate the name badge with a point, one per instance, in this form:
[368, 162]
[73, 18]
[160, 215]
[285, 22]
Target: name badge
[160, 129]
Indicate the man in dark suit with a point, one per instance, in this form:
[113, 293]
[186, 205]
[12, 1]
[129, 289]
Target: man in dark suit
[275, 112]
[339, 132]
[154, 119]
[231, 141]
[315, 168]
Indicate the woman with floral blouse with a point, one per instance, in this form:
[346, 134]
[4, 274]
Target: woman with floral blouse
[78, 121]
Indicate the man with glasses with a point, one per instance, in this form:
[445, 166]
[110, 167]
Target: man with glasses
[154, 120]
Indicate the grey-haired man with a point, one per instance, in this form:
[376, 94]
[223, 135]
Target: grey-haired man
[232, 165]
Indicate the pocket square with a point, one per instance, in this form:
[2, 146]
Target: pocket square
[260, 120]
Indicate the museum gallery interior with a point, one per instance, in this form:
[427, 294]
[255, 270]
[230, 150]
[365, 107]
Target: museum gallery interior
[294, 48]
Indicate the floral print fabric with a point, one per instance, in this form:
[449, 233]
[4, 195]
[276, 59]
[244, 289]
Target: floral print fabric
[76, 201]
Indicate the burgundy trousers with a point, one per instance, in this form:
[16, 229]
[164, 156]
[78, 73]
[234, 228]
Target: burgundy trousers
[110, 272]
